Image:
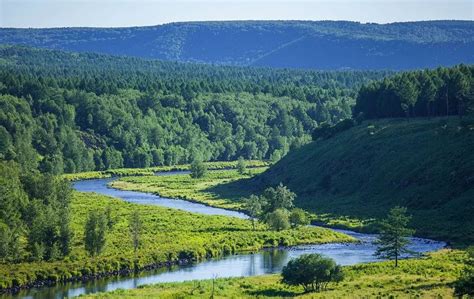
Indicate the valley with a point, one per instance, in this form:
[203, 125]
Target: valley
[237, 159]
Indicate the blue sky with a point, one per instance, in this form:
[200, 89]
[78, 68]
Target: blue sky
[122, 13]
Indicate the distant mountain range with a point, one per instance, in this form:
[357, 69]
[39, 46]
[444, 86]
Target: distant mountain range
[292, 44]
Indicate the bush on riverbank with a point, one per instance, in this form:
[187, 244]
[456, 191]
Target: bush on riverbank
[428, 277]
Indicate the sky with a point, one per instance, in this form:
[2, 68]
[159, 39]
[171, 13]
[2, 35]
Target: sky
[125, 13]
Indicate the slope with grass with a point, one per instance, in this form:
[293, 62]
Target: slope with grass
[425, 165]
[169, 236]
[429, 277]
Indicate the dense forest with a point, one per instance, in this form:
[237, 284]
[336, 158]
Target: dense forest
[68, 112]
[439, 92]
[296, 44]
[34, 215]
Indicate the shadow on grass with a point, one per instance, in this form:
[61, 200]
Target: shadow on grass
[236, 190]
[273, 292]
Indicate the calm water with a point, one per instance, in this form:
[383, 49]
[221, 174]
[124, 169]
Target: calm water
[100, 186]
[264, 262]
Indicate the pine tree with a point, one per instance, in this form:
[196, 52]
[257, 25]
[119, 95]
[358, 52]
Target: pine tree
[393, 239]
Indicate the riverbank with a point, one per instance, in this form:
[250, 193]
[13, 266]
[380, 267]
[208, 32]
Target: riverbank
[214, 190]
[123, 172]
[191, 189]
[428, 277]
[169, 236]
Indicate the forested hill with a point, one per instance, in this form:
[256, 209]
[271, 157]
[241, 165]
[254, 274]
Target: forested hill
[75, 112]
[419, 160]
[424, 164]
[293, 44]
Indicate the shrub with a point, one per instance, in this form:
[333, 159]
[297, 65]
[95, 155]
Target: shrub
[465, 284]
[312, 271]
[198, 169]
[298, 217]
[278, 220]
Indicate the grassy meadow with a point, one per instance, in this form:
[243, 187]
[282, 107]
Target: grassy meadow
[185, 187]
[356, 176]
[168, 235]
[428, 277]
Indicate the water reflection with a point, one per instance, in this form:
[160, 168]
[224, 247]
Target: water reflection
[263, 262]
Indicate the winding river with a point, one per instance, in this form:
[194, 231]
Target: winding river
[263, 262]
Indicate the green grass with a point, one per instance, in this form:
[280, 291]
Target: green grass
[152, 170]
[429, 277]
[185, 187]
[358, 175]
[168, 235]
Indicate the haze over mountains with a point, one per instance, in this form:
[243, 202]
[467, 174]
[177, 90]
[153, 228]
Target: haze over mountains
[292, 44]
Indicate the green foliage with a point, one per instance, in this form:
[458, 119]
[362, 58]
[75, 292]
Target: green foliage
[198, 169]
[428, 277]
[66, 112]
[278, 220]
[241, 166]
[33, 208]
[95, 233]
[135, 225]
[272, 206]
[394, 233]
[278, 198]
[312, 271]
[465, 284]
[197, 190]
[298, 217]
[443, 91]
[253, 206]
[357, 176]
[166, 236]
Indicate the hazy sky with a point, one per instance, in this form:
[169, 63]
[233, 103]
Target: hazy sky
[119, 13]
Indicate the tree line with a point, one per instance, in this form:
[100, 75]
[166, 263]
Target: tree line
[439, 92]
[35, 218]
[34, 215]
[67, 112]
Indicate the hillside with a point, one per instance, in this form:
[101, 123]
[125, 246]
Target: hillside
[293, 44]
[425, 165]
[73, 112]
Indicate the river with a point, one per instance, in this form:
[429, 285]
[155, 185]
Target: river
[263, 262]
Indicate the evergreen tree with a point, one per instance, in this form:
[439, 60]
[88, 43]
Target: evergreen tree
[394, 233]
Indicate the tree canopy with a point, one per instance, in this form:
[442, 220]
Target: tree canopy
[312, 271]
[67, 112]
[439, 92]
